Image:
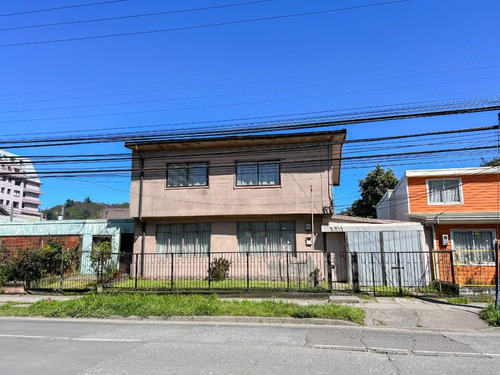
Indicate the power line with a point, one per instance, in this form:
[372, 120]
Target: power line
[49, 159]
[309, 162]
[253, 92]
[134, 15]
[248, 130]
[260, 19]
[63, 7]
[240, 83]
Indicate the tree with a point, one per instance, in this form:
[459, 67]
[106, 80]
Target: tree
[69, 203]
[372, 188]
[495, 162]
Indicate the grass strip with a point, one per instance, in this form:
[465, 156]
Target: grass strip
[105, 305]
[458, 300]
[491, 315]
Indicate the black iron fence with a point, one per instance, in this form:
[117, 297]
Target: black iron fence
[386, 273]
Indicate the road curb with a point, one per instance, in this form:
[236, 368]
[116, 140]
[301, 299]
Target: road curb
[240, 319]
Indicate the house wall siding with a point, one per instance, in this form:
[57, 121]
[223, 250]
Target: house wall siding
[222, 197]
[480, 194]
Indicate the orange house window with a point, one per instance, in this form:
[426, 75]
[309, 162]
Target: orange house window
[444, 191]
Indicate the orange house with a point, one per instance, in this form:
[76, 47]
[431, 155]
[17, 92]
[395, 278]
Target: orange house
[459, 209]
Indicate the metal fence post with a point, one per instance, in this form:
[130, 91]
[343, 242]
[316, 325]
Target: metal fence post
[329, 270]
[452, 268]
[209, 275]
[399, 273]
[287, 271]
[355, 272]
[248, 271]
[62, 270]
[171, 271]
[136, 270]
[373, 276]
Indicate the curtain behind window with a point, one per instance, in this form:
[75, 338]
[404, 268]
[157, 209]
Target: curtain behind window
[177, 174]
[451, 191]
[269, 174]
[162, 233]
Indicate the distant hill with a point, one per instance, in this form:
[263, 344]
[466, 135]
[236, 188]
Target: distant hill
[80, 210]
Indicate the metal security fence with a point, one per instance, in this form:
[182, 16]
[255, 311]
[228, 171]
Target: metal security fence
[378, 273]
[225, 271]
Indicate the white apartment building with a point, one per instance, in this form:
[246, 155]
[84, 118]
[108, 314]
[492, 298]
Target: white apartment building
[19, 187]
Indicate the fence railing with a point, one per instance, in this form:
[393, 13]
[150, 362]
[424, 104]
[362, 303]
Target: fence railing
[380, 273]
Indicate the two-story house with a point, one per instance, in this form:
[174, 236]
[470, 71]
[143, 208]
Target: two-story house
[459, 208]
[244, 194]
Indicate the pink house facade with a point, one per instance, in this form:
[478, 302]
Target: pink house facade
[252, 195]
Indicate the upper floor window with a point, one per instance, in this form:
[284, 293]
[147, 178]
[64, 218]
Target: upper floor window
[187, 174]
[262, 173]
[17, 193]
[444, 191]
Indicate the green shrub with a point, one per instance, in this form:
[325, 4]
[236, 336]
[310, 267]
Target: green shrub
[491, 315]
[218, 269]
[32, 265]
[101, 262]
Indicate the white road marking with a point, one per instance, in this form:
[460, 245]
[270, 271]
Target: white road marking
[397, 351]
[65, 338]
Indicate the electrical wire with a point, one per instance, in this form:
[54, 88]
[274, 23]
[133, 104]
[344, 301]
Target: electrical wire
[134, 16]
[227, 23]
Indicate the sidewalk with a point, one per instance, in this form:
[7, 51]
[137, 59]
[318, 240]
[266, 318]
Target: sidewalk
[429, 313]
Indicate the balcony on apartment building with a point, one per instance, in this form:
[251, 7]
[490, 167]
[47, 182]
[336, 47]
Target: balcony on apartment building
[32, 189]
[32, 200]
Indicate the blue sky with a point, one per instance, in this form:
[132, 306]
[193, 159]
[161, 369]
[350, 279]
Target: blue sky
[383, 55]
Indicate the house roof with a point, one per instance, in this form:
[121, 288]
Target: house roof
[339, 223]
[262, 139]
[457, 217]
[449, 172]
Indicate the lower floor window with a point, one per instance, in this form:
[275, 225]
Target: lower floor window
[474, 246]
[186, 239]
[271, 237]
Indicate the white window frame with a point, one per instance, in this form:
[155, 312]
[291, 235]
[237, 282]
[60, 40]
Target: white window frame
[493, 236]
[444, 203]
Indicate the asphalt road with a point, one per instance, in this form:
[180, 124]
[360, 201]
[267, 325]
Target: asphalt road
[44, 346]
